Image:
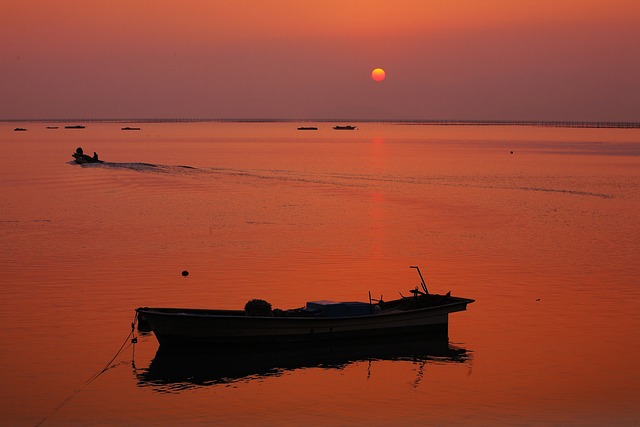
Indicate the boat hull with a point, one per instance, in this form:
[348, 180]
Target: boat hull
[180, 327]
[83, 158]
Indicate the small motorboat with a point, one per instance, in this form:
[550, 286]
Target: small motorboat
[80, 157]
[85, 158]
[347, 127]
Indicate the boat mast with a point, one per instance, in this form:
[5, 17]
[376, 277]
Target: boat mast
[424, 285]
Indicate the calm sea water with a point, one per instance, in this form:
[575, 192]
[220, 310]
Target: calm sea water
[540, 225]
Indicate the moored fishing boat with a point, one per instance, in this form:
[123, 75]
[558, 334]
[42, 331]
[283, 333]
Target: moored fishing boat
[319, 321]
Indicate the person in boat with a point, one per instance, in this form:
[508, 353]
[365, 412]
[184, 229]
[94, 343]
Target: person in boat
[79, 154]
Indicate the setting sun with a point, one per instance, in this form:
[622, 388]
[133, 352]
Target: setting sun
[378, 74]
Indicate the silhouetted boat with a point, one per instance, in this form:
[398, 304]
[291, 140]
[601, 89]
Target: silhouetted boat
[129, 128]
[20, 130]
[319, 321]
[52, 127]
[85, 158]
[307, 128]
[347, 127]
[75, 127]
[177, 369]
[80, 157]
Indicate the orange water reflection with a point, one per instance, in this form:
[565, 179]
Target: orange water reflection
[545, 239]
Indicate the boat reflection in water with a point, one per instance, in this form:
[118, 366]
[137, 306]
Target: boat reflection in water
[177, 369]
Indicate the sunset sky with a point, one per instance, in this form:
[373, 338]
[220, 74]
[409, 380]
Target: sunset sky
[444, 59]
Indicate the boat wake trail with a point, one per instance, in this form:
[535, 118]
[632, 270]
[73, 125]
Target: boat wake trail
[350, 180]
[135, 166]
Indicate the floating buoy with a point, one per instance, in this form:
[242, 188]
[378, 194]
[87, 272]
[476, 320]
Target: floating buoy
[185, 273]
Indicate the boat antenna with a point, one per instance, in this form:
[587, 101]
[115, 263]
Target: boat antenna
[424, 285]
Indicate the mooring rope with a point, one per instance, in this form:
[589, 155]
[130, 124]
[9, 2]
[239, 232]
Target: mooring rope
[129, 339]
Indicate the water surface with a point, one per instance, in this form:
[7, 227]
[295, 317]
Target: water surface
[539, 225]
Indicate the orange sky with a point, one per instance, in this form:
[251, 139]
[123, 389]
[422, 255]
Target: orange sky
[445, 59]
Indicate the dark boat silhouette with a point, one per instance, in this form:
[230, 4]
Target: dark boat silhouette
[80, 158]
[347, 127]
[420, 315]
[318, 321]
[85, 158]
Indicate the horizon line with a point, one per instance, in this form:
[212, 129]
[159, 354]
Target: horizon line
[440, 122]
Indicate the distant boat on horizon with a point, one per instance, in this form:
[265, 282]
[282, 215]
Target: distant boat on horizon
[307, 128]
[347, 127]
[52, 127]
[20, 130]
[129, 128]
[75, 127]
